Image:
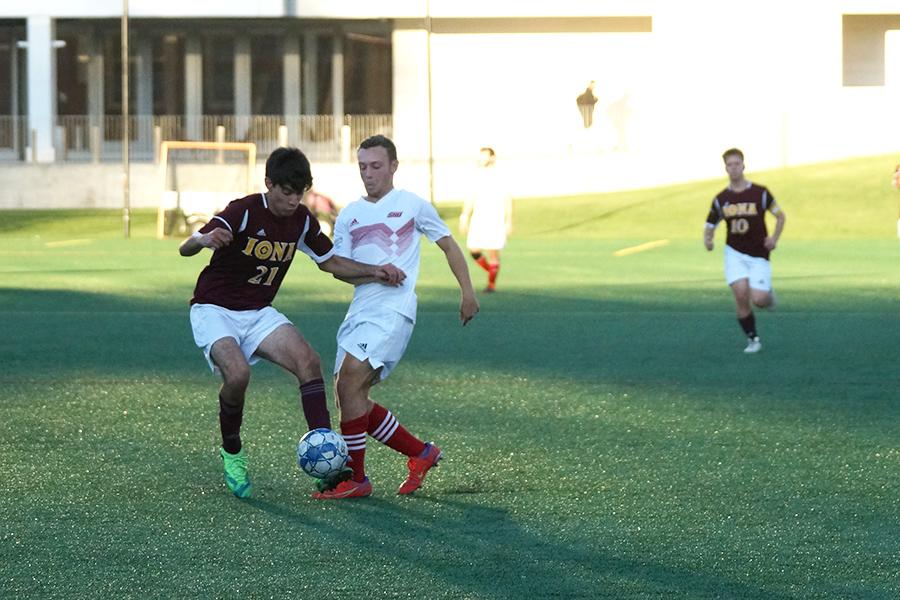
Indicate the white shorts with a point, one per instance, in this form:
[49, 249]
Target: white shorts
[380, 337]
[758, 271]
[486, 236]
[249, 328]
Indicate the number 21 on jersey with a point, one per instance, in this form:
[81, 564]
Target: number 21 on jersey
[264, 275]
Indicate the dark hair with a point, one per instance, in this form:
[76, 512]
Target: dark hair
[732, 152]
[489, 150]
[383, 141]
[289, 167]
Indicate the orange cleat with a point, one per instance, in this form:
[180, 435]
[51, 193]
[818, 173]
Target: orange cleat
[346, 489]
[418, 468]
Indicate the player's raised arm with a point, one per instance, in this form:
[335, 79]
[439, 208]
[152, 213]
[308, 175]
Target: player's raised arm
[215, 239]
[468, 306]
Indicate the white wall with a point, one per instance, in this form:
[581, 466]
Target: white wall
[766, 77]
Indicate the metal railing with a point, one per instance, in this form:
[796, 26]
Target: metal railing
[83, 138]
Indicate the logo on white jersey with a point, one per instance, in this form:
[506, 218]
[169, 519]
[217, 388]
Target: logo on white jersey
[398, 213]
[354, 222]
[363, 346]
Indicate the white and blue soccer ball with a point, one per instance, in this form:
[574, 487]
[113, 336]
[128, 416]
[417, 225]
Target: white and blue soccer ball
[321, 451]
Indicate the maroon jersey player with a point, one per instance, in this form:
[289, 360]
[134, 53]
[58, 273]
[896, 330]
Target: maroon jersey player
[743, 206]
[254, 241]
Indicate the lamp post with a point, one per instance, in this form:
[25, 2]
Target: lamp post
[430, 127]
[126, 184]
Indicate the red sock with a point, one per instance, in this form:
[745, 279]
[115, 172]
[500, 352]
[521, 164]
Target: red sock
[384, 427]
[354, 433]
[483, 263]
[492, 274]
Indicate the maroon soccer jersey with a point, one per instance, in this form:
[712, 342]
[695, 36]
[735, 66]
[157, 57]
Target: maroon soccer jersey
[246, 274]
[745, 216]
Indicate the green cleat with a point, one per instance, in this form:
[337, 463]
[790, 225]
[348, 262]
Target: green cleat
[236, 473]
[331, 480]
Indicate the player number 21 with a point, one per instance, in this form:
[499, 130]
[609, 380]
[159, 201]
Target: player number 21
[261, 274]
[740, 226]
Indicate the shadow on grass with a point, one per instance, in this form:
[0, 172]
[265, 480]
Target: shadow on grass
[453, 548]
[643, 335]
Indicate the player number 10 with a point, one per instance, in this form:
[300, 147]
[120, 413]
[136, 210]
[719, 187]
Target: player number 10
[740, 226]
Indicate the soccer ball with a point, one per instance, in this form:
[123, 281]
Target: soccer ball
[321, 451]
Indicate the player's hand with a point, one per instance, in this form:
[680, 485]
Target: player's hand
[769, 243]
[217, 238]
[708, 244]
[468, 308]
[390, 275]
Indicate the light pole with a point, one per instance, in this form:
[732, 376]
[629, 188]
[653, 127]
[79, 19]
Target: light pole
[126, 198]
[430, 128]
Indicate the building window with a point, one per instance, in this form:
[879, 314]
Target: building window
[367, 74]
[168, 74]
[266, 97]
[218, 75]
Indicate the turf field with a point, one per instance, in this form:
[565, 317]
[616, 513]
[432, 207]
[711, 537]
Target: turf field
[605, 437]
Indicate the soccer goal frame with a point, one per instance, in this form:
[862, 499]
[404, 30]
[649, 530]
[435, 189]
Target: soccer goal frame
[220, 147]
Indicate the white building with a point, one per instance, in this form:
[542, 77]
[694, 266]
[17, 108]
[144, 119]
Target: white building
[788, 81]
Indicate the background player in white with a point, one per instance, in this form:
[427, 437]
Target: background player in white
[487, 217]
[384, 226]
[254, 241]
[743, 205]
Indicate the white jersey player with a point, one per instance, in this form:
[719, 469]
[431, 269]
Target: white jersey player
[385, 226]
[487, 217]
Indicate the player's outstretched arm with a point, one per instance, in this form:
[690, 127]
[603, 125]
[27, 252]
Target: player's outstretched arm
[215, 239]
[468, 306]
[356, 273]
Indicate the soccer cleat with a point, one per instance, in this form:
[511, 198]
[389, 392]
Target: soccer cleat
[346, 489]
[418, 468]
[753, 346]
[489, 290]
[331, 480]
[236, 473]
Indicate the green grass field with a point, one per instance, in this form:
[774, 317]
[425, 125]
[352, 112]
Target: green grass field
[605, 437]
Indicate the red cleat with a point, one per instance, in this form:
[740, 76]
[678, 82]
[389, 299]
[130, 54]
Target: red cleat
[418, 468]
[346, 489]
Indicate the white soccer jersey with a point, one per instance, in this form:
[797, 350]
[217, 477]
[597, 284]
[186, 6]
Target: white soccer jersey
[387, 231]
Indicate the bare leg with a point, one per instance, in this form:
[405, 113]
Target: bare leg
[235, 370]
[761, 298]
[287, 348]
[741, 290]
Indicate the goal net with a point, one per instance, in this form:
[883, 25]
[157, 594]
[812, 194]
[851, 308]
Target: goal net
[198, 180]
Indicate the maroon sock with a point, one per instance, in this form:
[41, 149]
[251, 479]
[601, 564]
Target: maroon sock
[384, 427]
[748, 324]
[315, 404]
[230, 418]
[482, 262]
[354, 433]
